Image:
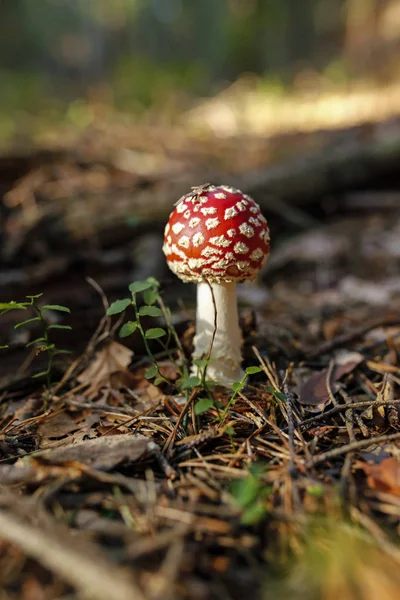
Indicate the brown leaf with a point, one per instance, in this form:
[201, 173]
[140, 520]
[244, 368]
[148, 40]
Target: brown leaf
[57, 426]
[385, 476]
[111, 360]
[314, 391]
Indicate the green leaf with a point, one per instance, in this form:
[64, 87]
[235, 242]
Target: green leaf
[62, 351]
[39, 340]
[118, 306]
[154, 333]
[128, 328]
[3, 347]
[253, 370]
[6, 306]
[203, 405]
[26, 321]
[55, 326]
[245, 491]
[238, 385]
[41, 374]
[280, 396]
[150, 296]
[315, 490]
[253, 514]
[140, 286]
[158, 380]
[201, 362]
[230, 430]
[35, 297]
[190, 382]
[154, 282]
[56, 307]
[150, 311]
[151, 372]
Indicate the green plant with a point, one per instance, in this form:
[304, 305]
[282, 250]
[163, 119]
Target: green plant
[154, 307]
[43, 342]
[237, 386]
[250, 494]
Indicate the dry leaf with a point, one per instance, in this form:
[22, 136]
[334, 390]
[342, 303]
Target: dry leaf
[111, 360]
[314, 391]
[385, 476]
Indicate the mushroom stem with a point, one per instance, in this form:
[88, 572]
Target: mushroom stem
[225, 359]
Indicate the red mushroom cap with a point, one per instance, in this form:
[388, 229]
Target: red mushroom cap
[216, 234]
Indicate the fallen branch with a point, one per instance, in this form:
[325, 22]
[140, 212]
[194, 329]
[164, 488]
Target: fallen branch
[81, 566]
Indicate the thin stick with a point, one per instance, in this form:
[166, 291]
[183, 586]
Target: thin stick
[90, 573]
[343, 407]
[352, 447]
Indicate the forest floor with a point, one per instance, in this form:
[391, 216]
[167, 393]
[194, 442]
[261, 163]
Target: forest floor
[112, 487]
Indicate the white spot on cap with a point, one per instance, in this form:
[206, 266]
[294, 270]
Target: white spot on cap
[221, 241]
[242, 265]
[196, 207]
[212, 223]
[230, 256]
[220, 196]
[177, 227]
[262, 218]
[254, 221]
[210, 251]
[194, 222]
[254, 209]
[198, 239]
[230, 212]
[187, 214]
[241, 205]
[167, 228]
[208, 210]
[257, 254]
[169, 239]
[196, 263]
[231, 232]
[178, 252]
[222, 263]
[184, 241]
[203, 199]
[246, 230]
[240, 248]
[181, 207]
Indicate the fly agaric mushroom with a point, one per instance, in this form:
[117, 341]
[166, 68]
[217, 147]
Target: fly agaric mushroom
[217, 236]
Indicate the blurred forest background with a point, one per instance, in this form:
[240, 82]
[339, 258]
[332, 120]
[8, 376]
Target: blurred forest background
[78, 61]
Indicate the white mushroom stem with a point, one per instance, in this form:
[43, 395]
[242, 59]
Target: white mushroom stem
[225, 360]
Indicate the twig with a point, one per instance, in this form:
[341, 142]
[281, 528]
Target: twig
[171, 438]
[341, 407]
[85, 569]
[351, 336]
[289, 409]
[346, 470]
[352, 447]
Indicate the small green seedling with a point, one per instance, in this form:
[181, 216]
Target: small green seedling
[149, 290]
[43, 342]
[250, 494]
[237, 386]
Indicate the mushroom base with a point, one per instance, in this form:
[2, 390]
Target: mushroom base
[225, 360]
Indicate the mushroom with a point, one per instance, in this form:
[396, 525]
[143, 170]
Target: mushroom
[216, 236]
